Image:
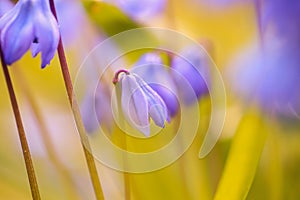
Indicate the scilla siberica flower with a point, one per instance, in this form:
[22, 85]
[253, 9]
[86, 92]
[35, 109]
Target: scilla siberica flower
[140, 102]
[30, 24]
[193, 66]
[150, 68]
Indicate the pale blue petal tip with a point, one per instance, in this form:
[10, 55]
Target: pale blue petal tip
[147, 103]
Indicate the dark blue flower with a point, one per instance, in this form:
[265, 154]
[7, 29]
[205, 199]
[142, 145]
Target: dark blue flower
[30, 24]
[193, 67]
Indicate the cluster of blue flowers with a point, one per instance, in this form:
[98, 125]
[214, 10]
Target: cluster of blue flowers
[270, 75]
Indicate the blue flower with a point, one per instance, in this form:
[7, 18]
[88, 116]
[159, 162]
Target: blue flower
[150, 68]
[96, 109]
[141, 9]
[271, 77]
[30, 24]
[140, 102]
[69, 11]
[193, 67]
[271, 74]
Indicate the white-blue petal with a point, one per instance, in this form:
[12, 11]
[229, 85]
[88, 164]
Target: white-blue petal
[134, 104]
[159, 111]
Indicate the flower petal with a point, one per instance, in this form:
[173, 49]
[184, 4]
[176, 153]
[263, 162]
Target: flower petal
[47, 34]
[134, 104]
[157, 106]
[17, 35]
[151, 69]
[156, 113]
[35, 49]
[10, 15]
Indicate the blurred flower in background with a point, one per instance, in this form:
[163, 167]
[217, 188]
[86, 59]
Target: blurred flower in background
[270, 71]
[72, 18]
[193, 66]
[96, 109]
[140, 9]
[220, 4]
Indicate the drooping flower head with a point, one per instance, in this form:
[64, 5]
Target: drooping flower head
[30, 24]
[151, 69]
[140, 102]
[193, 66]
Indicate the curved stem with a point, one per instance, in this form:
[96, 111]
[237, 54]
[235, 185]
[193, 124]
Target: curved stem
[77, 116]
[64, 174]
[116, 77]
[25, 148]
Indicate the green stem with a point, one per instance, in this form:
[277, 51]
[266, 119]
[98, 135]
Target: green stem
[25, 148]
[65, 176]
[77, 116]
[243, 159]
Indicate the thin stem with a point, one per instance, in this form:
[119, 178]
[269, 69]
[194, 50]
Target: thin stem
[116, 77]
[64, 174]
[25, 148]
[77, 116]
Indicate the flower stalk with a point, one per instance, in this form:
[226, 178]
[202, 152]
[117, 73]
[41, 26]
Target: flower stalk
[24, 144]
[65, 175]
[77, 116]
